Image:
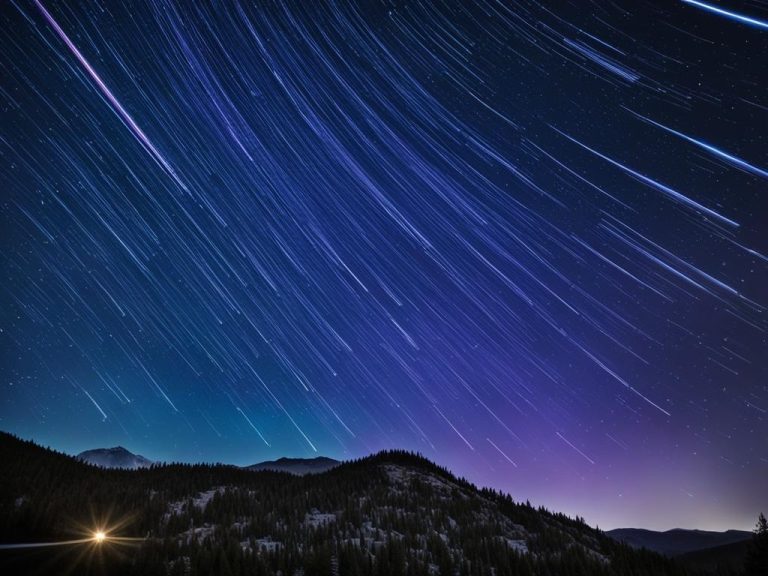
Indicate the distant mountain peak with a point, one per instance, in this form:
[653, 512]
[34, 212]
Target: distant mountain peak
[297, 466]
[115, 457]
[113, 450]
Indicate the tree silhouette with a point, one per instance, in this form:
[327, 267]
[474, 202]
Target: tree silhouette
[757, 558]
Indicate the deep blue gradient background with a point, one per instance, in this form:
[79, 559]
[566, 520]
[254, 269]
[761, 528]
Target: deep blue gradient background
[527, 240]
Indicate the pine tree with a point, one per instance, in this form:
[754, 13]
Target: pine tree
[757, 558]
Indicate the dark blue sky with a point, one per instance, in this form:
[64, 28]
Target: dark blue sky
[527, 240]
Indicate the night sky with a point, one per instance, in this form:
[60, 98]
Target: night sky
[527, 240]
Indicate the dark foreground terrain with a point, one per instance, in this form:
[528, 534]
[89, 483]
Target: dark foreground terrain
[394, 513]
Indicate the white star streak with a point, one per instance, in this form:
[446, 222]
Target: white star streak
[252, 425]
[653, 183]
[564, 439]
[94, 402]
[460, 435]
[500, 451]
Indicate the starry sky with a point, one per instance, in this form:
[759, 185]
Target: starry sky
[525, 239]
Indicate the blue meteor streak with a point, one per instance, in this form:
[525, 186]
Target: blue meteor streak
[708, 147]
[727, 14]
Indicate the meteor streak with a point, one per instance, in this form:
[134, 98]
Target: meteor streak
[653, 183]
[743, 164]
[119, 109]
[727, 14]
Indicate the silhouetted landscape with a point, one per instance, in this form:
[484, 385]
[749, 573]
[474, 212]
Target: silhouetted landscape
[393, 513]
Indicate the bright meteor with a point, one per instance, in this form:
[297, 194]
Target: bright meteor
[727, 14]
[117, 106]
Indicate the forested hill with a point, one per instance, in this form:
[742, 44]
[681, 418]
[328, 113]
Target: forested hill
[393, 513]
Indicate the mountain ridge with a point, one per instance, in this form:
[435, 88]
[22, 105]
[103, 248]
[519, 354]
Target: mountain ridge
[677, 541]
[298, 466]
[121, 457]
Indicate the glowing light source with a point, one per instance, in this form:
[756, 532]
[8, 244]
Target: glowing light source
[99, 536]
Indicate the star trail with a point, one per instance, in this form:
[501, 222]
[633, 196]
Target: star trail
[525, 239]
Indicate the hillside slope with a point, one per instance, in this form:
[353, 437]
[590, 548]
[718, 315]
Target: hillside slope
[728, 556]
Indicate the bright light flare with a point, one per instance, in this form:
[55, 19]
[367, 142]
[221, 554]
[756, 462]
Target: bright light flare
[99, 536]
